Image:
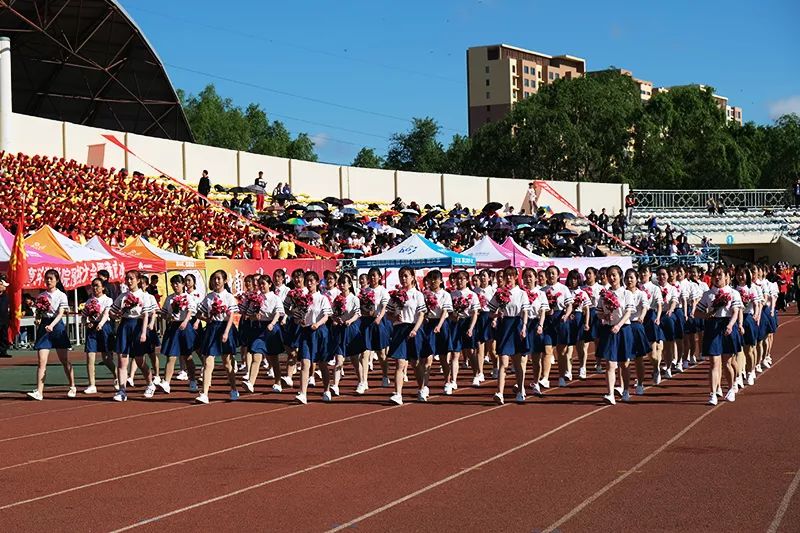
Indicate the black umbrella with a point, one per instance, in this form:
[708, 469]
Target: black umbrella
[565, 216]
[300, 207]
[310, 235]
[239, 190]
[521, 219]
[256, 189]
[491, 207]
[220, 188]
[284, 197]
[352, 226]
[331, 200]
[568, 233]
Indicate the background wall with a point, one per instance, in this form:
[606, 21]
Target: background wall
[421, 187]
[222, 165]
[368, 184]
[314, 179]
[34, 135]
[165, 155]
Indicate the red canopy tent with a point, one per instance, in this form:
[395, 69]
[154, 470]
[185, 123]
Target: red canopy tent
[142, 264]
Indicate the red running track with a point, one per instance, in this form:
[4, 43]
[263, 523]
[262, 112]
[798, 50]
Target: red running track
[665, 462]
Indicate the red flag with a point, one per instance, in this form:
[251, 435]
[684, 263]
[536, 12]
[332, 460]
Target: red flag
[17, 278]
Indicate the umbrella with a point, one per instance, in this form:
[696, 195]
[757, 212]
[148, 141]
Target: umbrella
[568, 233]
[409, 211]
[353, 252]
[310, 235]
[296, 207]
[238, 190]
[317, 222]
[492, 206]
[565, 216]
[331, 200]
[310, 215]
[521, 219]
[352, 226]
[350, 211]
[256, 189]
[389, 213]
[392, 230]
[283, 196]
[523, 226]
[374, 225]
[296, 222]
[346, 201]
[315, 207]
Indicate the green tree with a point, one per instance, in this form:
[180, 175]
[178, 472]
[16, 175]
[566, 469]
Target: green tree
[782, 167]
[457, 156]
[367, 158]
[417, 150]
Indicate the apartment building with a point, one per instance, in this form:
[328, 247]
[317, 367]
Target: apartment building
[645, 87]
[498, 76]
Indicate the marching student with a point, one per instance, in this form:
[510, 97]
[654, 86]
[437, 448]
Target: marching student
[99, 332]
[616, 339]
[245, 329]
[580, 320]
[748, 322]
[313, 311]
[483, 327]
[51, 334]
[132, 308]
[219, 337]
[590, 333]
[700, 287]
[407, 310]
[510, 307]
[192, 290]
[179, 336]
[537, 311]
[463, 321]
[375, 333]
[556, 331]
[641, 307]
[669, 326]
[652, 321]
[291, 329]
[267, 309]
[345, 333]
[720, 306]
[679, 316]
[436, 328]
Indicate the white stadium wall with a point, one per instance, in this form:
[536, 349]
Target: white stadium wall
[163, 154]
[421, 187]
[469, 191]
[222, 164]
[368, 184]
[276, 169]
[37, 136]
[33, 135]
[317, 180]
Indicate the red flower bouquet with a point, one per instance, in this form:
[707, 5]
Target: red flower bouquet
[610, 300]
[552, 298]
[721, 300]
[399, 296]
[533, 295]
[482, 301]
[431, 301]
[366, 297]
[644, 290]
[462, 303]
[664, 293]
[130, 302]
[503, 296]
[579, 300]
[180, 303]
[301, 300]
[339, 304]
[218, 307]
[92, 310]
[254, 303]
[747, 296]
[42, 304]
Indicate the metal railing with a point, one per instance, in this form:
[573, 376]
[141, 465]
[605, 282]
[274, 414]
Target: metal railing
[707, 255]
[730, 198]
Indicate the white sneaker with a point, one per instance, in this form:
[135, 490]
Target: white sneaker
[552, 359]
[639, 390]
[234, 395]
[751, 379]
[249, 386]
[454, 385]
[130, 382]
[544, 383]
[156, 380]
[609, 399]
[165, 386]
[241, 366]
[277, 388]
[203, 398]
[768, 358]
[421, 396]
[582, 372]
[116, 384]
[759, 369]
[91, 389]
[668, 373]
[766, 363]
[265, 365]
[739, 382]
[192, 385]
[326, 397]
[36, 395]
[300, 397]
[270, 373]
[626, 396]
[476, 382]
[385, 382]
[120, 396]
[536, 389]
[562, 382]
[521, 397]
[396, 399]
[448, 389]
[405, 378]
[712, 399]
[568, 376]
[335, 390]
[719, 391]
[311, 381]
[619, 390]
[481, 377]
[361, 388]
[149, 391]
[182, 376]
[287, 382]
[731, 396]
[426, 391]
[498, 398]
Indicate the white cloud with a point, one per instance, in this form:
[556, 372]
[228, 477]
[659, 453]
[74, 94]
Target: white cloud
[785, 106]
[320, 139]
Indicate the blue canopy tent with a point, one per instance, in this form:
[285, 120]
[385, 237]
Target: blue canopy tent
[417, 252]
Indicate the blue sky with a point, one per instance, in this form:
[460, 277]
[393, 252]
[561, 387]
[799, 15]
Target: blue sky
[352, 73]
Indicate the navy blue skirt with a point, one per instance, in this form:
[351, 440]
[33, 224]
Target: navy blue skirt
[374, 336]
[247, 332]
[715, 342]
[615, 346]
[346, 340]
[556, 331]
[435, 343]
[508, 340]
[483, 327]
[772, 322]
[291, 333]
[177, 342]
[575, 328]
[128, 333]
[54, 340]
[641, 344]
[313, 344]
[99, 341]
[403, 347]
[679, 320]
[459, 340]
[212, 345]
[594, 324]
[267, 342]
[152, 341]
[652, 330]
[750, 337]
[198, 337]
[534, 341]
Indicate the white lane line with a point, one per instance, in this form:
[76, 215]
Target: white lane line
[145, 437]
[784, 506]
[581, 506]
[83, 406]
[303, 470]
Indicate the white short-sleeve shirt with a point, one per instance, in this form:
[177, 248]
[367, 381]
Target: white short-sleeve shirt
[271, 306]
[414, 305]
[104, 302]
[443, 303]
[470, 299]
[487, 294]
[518, 302]
[750, 295]
[228, 301]
[351, 308]
[176, 314]
[121, 304]
[559, 297]
[734, 302]
[58, 300]
[320, 307]
[612, 316]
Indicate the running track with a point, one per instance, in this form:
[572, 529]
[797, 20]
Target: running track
[666, 462]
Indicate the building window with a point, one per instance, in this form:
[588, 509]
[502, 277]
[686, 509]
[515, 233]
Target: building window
[540, 74]
[533, 83]
[488, 95]
[487, 82]
[527, 82]
[526, 70]
[493, 53]
[558, 75]
[488, 108]
[551, 75]
[487, 70]
[513, 68]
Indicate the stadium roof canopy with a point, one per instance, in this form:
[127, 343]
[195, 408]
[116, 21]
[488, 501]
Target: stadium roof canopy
[87, 62]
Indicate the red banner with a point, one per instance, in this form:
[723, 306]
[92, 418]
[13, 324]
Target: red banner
[76, 275]
[17, 278]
